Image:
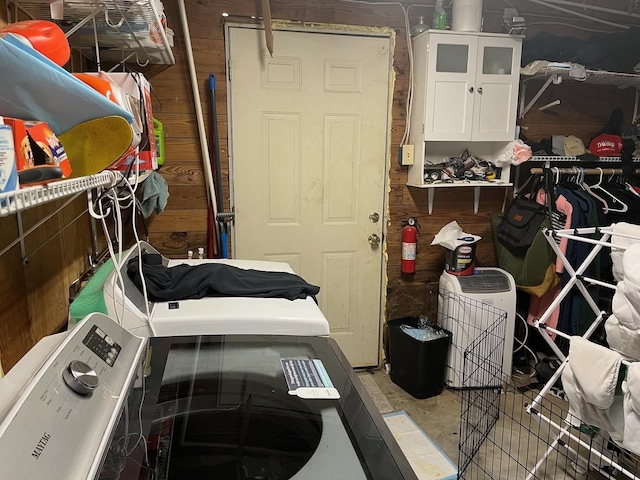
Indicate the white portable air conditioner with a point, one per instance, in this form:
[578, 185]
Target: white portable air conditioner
[467, 307]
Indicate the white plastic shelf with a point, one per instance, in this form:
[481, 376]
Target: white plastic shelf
[29, 197]
[476, 184]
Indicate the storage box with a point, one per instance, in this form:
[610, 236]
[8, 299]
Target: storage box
[40, 156]
[138, 91]
[417, 366]
[132, 92]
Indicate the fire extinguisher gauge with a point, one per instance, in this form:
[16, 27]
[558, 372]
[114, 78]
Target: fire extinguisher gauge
[412, 221]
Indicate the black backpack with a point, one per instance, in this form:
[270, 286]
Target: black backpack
[520, 225]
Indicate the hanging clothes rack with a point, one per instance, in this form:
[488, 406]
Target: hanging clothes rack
[565, 435]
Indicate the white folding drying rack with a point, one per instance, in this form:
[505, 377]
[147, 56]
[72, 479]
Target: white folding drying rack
[577, 279]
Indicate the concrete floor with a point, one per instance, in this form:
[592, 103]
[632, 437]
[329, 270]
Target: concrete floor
[516, 442]
[439, 416]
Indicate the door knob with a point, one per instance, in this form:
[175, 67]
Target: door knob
[470, 89]
[374, 240]
[480, 90]
[374, 217]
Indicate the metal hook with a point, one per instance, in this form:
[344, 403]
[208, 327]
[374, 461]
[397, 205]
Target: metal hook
[92, 212]
[138, 61]
[108, 22]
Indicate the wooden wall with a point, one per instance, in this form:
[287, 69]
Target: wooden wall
[34, 304]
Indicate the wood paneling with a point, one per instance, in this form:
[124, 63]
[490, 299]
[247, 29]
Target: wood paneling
[15, 328]
[36, 289]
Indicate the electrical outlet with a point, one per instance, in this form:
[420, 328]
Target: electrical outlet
[406, 155]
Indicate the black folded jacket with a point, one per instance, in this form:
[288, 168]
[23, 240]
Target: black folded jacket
[182, 282]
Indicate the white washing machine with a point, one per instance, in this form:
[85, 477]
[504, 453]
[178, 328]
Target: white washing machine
[211, 315]
[216, 406]
[479, 310]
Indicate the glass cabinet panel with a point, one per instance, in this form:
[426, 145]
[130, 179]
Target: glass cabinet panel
[452, 58]
[497, 60]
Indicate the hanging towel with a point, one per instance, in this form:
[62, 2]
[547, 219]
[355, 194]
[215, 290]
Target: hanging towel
[589, 380]
[622, 339]
[631, 389]
[617, 253]
[155, 194]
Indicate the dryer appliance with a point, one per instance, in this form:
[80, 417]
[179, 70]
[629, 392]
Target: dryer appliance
[467, 307]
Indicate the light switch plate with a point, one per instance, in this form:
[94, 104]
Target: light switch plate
[406, 154]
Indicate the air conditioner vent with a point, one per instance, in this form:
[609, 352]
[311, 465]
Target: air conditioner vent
[484, 282]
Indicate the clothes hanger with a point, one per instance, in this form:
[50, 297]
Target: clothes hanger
[592, 193]
[613, 202]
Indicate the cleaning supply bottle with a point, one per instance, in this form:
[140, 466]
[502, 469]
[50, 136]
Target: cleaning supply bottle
[439, 16]
[8, 172]
[419, 27]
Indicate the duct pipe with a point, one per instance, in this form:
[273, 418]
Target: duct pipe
[206, 163]
[577, 14]
[598, 8]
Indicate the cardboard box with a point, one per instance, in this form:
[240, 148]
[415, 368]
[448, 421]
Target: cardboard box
[135, 96]
[40, 156]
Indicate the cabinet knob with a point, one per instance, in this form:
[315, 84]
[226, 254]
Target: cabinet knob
[470, 89]
[480, 90]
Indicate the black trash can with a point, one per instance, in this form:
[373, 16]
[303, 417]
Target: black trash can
[418, 366]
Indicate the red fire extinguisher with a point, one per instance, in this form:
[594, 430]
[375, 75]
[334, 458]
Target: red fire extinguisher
[409, 243]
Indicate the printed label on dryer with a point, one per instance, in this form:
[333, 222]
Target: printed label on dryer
[308, 379]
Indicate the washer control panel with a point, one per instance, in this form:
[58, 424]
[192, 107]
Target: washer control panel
[59, 423]
[102, 345]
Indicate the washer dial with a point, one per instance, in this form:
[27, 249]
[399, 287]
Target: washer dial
[80, 377]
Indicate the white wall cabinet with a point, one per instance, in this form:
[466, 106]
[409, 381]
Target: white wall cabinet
[469, 85]
[465, 96]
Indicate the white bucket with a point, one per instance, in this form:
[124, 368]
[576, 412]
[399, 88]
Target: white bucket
[466, 15]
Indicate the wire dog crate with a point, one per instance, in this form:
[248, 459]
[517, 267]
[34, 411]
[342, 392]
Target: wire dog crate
[532, 434]
[501, 438]
[515, 433]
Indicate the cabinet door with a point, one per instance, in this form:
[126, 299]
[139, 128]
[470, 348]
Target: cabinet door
[450, 87]
[497, 81]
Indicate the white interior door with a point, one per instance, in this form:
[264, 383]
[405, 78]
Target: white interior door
[309, 131]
